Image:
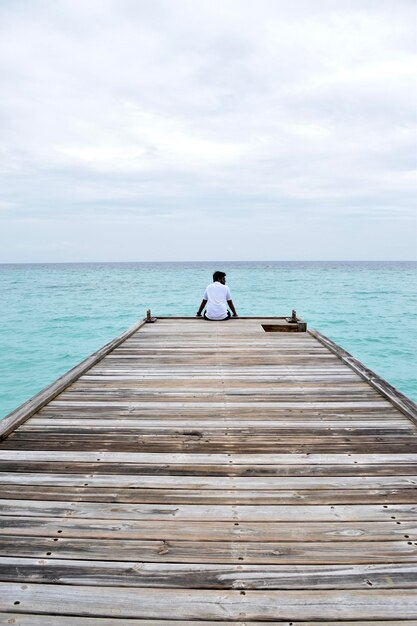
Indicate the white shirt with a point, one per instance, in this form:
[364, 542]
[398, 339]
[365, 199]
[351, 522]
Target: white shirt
[217, 296]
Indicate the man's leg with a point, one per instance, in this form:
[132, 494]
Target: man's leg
[223, 320]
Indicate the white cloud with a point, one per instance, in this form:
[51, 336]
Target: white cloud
[212, 108]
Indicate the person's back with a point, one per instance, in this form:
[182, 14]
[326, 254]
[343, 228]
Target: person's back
[217, 298]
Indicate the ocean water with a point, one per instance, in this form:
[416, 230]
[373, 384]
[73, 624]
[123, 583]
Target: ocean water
[54, 315]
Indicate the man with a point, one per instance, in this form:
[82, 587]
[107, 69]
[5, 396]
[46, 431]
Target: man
[217, 298]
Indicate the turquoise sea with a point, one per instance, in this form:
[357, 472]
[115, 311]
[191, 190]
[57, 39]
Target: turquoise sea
[54, 315]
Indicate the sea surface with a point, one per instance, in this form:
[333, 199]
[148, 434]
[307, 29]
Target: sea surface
[54, 315]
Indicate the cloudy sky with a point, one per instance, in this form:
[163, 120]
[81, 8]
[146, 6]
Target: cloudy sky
[207, 130]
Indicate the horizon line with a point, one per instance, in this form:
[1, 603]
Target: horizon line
[213, 261]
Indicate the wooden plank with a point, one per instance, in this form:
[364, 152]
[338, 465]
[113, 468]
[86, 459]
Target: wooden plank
[295, 404]
[186, 443]
[208, 576]
[172, 551]
[173, 469]
[256, 422]
[211, 459]
[246, 483]
[171, 434]
[209, 604]
[27, 619]
[245, 531]
[197, 441]
[188, 412]
[198, 496]
[283, 513]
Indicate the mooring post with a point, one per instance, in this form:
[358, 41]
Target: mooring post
[294, 316]
[149, 319]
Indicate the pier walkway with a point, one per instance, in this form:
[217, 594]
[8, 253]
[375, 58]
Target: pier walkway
[211, 473]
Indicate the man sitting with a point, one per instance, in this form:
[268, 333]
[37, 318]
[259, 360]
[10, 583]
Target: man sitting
[217, 297]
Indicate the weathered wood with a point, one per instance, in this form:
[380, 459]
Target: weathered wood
[246, 483]
[211, 474]
[172, 551]
[195, 469]
[27, 619]
[207, 576]
[210, 604]
[225, 512]
[306, 458]
[197, 444]
[55, 527]
[133, 495]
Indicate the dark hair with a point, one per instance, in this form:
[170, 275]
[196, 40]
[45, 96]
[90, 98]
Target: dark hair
[218, 276]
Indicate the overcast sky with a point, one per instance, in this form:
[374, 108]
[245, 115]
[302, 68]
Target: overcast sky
[207, 130]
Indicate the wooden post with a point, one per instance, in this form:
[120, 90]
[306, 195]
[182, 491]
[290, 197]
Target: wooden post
[149, 319]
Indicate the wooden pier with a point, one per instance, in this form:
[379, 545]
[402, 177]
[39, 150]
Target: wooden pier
[211, 473]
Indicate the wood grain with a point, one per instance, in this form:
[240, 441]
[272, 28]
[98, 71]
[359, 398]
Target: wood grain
[181, 604]
[211, 474]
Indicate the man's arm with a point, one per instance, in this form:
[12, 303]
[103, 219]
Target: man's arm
[232, 308]
[202, 305]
